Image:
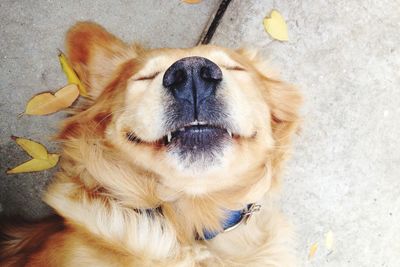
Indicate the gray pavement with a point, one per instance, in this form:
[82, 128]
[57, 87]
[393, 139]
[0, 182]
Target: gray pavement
[344, 176]
[345, 173]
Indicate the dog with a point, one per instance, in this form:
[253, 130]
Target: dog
[173, 160]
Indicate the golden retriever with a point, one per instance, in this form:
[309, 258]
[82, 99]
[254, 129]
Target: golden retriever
[173, 161]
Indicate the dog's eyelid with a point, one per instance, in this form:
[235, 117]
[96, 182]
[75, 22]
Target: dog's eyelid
[146, 77]
[235, 68]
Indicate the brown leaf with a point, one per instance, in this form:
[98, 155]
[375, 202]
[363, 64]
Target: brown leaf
[329, 240]
[276, 26]
[191, 1]
[313, 250]
[41, 159]
[71, 74]
[47, 103]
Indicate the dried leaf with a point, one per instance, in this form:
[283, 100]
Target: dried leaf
[35, 165]
[47, 103]
[313, 250]
[71, 75]
[276, 26]
[329, 240]
[192, 1]
[34, 149]
[41, 159]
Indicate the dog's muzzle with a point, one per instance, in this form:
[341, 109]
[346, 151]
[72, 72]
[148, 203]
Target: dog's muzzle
[195, 117]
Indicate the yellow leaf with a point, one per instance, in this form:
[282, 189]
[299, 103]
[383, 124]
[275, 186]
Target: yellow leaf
[34, 149]
[40, 161]
[71, 75]
[192, 1]
[47, 103]
[276, 26]
[35, 165]
[313, 250]
[329, 240]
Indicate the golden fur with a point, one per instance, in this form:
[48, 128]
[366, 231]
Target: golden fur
[105, 182]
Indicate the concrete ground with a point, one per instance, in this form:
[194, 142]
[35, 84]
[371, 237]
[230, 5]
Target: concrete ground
[344, 176]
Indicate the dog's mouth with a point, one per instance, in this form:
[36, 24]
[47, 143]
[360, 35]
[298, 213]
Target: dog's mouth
[194, 133]
[197, 137]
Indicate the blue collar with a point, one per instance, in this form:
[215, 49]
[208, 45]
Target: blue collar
[233, 219]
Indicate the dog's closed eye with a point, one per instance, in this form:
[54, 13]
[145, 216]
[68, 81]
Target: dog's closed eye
[234, 68]
[147, 77]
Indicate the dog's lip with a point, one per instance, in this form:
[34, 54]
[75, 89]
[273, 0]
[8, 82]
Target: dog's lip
[194, 126]
[165, 140]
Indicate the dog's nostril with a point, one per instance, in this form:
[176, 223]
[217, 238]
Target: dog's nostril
[174, 77]
[180, 77]
[211, 73]
[205, 73]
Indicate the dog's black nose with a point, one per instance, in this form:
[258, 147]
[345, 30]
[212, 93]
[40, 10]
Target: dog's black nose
[192, 80]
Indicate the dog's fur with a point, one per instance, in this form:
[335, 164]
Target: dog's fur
[107, 184]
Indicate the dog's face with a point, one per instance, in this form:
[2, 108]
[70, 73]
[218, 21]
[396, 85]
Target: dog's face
[203, 119]
[197, 114]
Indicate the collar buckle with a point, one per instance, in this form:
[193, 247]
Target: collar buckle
[247, 213]
[250, 211]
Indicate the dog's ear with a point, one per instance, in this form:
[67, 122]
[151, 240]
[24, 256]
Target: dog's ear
[284, 101]
[95, 54]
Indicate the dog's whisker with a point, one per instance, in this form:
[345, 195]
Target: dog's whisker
[108, 115]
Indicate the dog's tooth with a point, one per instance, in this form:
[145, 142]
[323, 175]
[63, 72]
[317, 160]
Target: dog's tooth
[182, 129]
[169, 137]
[194, 123]
[202, 123]
[230, 133]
